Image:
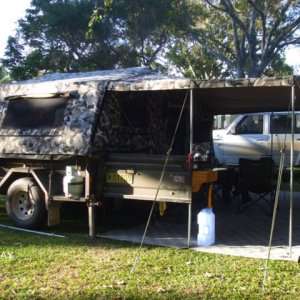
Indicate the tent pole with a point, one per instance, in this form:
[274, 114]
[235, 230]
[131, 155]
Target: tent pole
[191, 151]
[191, 119]
[292, 169]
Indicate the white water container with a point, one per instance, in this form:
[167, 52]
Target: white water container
[206, 230]
[73, 182]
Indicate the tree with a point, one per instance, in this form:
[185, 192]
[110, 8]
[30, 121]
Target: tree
[146, 28]
[52, 38]
[247, 36]
[22, 67]
[192, 60]
[199, 38]
[4, 76]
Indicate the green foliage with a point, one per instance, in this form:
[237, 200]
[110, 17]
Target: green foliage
[278, 67]
[52, 38]
[72, 36]
[203, 38]
[248, 37]
[4, 76]
[193, 61]
[146, 28]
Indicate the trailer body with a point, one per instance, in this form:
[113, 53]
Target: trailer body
[123, 134]
[115, 143]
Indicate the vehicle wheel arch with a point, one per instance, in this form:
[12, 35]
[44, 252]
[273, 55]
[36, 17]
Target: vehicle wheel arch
[15, 174]
[25, 203]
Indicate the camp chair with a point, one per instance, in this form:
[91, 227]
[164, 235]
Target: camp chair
[255, 184]
[223, 187]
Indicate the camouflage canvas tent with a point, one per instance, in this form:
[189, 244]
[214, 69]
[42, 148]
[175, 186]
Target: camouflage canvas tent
[78, 113]
[134, 110]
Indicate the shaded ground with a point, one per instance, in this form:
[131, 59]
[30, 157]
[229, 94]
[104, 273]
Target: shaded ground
[243, 234]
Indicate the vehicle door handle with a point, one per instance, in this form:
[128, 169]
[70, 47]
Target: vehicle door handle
[260, 140]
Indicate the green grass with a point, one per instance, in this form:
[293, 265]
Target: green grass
[76, 267]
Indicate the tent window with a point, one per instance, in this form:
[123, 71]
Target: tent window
[134, 114]
[34, 113]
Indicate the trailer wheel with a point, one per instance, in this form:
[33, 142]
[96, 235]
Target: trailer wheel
[25, 203]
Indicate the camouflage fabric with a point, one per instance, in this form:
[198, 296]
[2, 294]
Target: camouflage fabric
[115, 132]
[161, 82]
[93, 121]
[80, 116]
[72, 138]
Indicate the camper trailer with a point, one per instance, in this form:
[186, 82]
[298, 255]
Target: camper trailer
[77, 138]
[129, 134]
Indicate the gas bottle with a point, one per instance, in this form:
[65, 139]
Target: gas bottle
[206, 230]
[73, 182]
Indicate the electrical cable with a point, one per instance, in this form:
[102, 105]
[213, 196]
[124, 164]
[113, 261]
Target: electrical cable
[32, 231]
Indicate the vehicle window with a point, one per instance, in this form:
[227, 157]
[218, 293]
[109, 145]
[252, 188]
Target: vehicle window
[34, 113]
[252, 124]
[282, 123]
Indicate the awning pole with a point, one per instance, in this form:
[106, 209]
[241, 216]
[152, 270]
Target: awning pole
[292, 169]
[191, 151]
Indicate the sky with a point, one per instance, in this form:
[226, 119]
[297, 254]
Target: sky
[10, 12]
[13, 10]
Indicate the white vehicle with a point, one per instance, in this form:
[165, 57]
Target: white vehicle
[257, 135]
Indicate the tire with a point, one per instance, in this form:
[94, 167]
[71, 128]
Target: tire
[25, 204]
